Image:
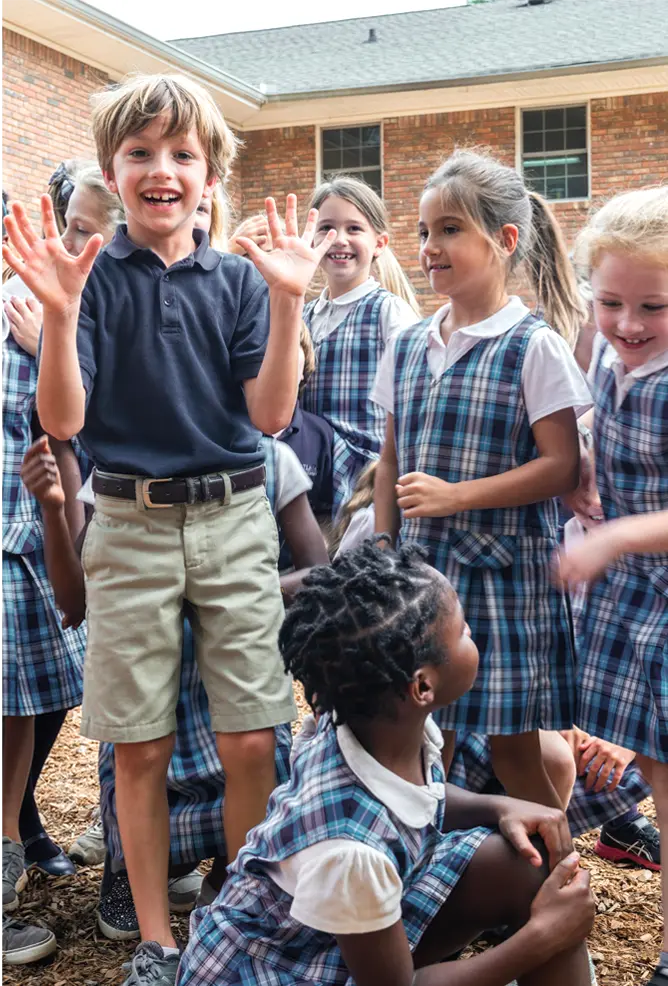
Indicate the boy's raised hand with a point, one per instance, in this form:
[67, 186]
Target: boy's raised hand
[54, 276]
[292, 263]
[41, 476]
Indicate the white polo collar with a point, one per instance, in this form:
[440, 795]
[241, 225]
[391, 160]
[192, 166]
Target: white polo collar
[612, 360]
[414, 805]
[498, 323]
[345, 299]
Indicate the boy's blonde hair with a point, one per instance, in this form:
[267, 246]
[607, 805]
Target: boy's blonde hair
[91, 177]
[634, 223]
[372, 207]
[491, 195]
[362, 496]
[129, 107]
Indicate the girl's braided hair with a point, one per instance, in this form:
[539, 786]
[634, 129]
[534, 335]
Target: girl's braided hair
[360, 628]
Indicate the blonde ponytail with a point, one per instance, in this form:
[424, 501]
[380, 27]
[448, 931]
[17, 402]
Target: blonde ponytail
[393, 279]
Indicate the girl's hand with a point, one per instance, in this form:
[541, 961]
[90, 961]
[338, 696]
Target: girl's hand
[41, 476]
[563, 910]
[25, 322]
[604, 763]
[54, 276]
[419, 495]
[587, 560]
[256, 229]
[519, 820]
[294, 260]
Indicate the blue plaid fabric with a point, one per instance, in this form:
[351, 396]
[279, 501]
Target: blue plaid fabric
[42, 664]
[622, 631]
[346, 364]
[21, 519]
[248, 935]
[195, 778]
[472, 423]
[472, 770]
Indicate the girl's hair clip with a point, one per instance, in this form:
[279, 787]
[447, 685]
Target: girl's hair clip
[62, 177]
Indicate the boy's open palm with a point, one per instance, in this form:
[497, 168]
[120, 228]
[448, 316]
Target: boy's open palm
[292, 263]
[54, 276]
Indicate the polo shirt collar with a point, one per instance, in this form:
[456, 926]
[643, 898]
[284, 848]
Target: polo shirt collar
[497, 324]
[414, 805]
[345, 299]
[122, 247]
[612, 360]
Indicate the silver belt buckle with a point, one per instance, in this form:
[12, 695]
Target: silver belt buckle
[146, 493]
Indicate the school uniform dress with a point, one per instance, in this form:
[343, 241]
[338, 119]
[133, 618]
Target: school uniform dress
[346, 847]
[42, 664]
[195, 776]
[471, 770]
[349, 336]
[622, 633]
[465, 411]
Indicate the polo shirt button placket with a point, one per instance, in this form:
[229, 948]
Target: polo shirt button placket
[170, 318]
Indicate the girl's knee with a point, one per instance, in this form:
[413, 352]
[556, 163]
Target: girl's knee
[511, 878]
[246, 751]
[520, 751]
[559, 763]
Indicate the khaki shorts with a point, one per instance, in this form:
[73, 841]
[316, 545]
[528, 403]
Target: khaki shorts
[140, 564]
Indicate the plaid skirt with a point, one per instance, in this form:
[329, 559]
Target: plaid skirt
[522, 627]
[195, 777]
[348, 461]
[622, 647]
[472, 770]
[42, 664]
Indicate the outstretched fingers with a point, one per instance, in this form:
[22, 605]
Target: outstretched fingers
[272, 219]
[17, 240]
[48, 218]
[291, 225]
[309, 228]
[86, 258]
[12, 258]
[24, 224]
[323, 247]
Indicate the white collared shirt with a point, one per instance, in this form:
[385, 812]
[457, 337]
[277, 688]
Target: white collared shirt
[343, 887]
[328, 313]
[624, 379]
[551, 379]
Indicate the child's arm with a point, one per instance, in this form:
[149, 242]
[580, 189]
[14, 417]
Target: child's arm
[305, 541]
[288, 269]
[385, 486]
[562, 914]
[639, 534]
[57, 280]
[41, 477]
[553, 473]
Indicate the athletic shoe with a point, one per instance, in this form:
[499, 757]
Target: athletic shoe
[151, 967]
[89, 848]
[14, 876]
[660, 977]
[207, 894]
[636, 842]
[24, 943]
[183, 891]
[116, 915]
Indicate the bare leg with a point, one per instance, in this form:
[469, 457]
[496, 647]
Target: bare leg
[143, 823]
[250, 776]
[18, 738]
[559, 764]
[497, 889]
[657, 775]
[518, 764]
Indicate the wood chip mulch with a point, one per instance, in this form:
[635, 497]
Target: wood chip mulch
[625, 943]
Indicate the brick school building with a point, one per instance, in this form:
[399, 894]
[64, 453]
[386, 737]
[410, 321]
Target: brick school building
[573, 93]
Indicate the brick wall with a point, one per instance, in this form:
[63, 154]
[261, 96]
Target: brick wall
[45, 114]
[276, 162]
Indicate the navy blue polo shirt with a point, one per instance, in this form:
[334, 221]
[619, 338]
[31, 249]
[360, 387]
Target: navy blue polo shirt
[163, 353]
[311, 439]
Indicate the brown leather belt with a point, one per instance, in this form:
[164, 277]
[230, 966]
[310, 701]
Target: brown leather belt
[188, 489]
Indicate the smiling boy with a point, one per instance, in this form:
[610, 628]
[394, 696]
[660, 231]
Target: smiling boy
[170, 359]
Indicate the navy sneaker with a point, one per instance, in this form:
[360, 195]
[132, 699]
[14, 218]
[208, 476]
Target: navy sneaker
[636, 842]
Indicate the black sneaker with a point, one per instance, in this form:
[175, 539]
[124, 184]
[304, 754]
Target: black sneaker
[636, 842]
[116, 915]
[660, 977]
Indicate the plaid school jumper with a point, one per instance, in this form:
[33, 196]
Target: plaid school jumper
[195, 777]
[42, 664]
[248, 937]
[622, 632]
[469, 424]
[346, 364]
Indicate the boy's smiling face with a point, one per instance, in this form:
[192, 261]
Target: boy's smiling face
[160, 180]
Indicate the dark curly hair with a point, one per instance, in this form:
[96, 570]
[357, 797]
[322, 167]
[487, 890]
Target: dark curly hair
[359, 629]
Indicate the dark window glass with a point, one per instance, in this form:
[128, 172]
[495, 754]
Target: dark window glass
[554, 152]
[353, 150]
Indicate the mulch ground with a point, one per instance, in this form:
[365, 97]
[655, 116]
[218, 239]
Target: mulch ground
[625, 943]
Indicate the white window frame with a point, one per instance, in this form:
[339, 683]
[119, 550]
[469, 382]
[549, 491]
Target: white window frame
[519, 138]
[342, 126]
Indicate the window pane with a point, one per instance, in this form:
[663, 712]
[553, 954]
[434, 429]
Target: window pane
[370, 155]
[556, 168]
[576, 138]
[331, 158]
[576, 116]
[577, 187]
[555, 188]
[331, 138]
[554, 140]
[534, 178]
[374, 179]
[554, 119]
[371, 136]
[350, 137]
[533, 120]
[533, 142]
[350, 157]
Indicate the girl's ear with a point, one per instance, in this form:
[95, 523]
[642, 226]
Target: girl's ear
[509, 236]
[110, 182]
[421, 688]
[212, 181]
[381, 242]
